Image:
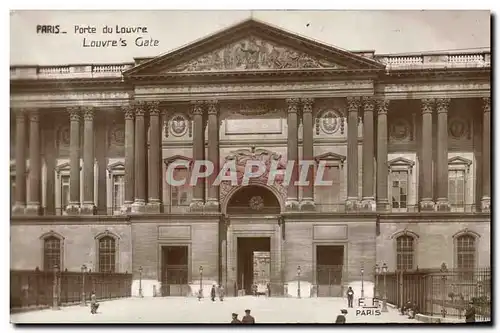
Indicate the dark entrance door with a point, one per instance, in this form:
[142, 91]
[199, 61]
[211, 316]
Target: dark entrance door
[329, 269]
[253, 262]
[174, 271]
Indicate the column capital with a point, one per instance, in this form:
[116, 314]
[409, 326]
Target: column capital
[88, 113]
[307, 105]
[292, 104]
[442, 105]
[196, 107]
[74, 113]
[153, 108]
[428, 105]
[34, 115]
[353, 104]
[129, 111]
[139, 107]
[213, 107]
[20, 113]
[382, 105]
[368, 104]
[486, 104]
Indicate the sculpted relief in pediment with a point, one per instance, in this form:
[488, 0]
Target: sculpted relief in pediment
[253, 54]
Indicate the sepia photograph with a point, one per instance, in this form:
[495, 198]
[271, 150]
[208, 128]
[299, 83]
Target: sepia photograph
[250, 167]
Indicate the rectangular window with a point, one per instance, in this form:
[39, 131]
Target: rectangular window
[456, 188]
[179, 194]
[329, 195]
[399, 190]
[64, 192]
[118, 192]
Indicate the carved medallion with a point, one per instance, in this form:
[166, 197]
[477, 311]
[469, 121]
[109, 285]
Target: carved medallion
[400, 129]
[330, 122]
[457, 128]
[252, 54]
[256, 203]
[117, 135]
[178, 125]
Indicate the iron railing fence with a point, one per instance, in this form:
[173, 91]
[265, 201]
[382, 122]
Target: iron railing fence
[440, 292]
[37, 288]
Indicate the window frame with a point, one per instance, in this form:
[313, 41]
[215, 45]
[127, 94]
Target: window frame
[332, 160]
[466, 232]
[64, 169]
[401, 164]
[114, 169]
[415, 237]
[98, 239]
[461, 164]
[61, 239]
[168, 188]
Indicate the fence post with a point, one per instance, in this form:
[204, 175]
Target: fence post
[443, 288]
[55, 296]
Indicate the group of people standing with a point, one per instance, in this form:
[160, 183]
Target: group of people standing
[216, 290]
[247, 319]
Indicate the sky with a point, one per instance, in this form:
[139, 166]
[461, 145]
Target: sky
[385, 32]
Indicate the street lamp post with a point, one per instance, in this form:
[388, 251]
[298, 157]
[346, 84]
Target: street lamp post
[201, 279]
[55, 296]
[140, 282]
[83, 300]
[384, 302]
[377, 272]
[298, 281]
[362, 283]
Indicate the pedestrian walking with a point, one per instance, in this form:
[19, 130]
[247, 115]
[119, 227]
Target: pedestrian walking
[221, 293]
[212, 293]
[470, 313]
[93, 303]
[341, 317]
[235, 319]
[248, 319]
[200, 294]
[350, 297]
[268, 289]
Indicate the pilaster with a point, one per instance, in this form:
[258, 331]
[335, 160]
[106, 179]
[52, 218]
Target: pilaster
[442, 203]
[139, 205]
[382, 167]
[88, 207]
[212, 203]
[73, 207]
[368, 199]
[129, 113]
[198, 201]
[426, 203]
[154, 205]
[34, 202]
[307, 202]
[292, 199]
[352, 202]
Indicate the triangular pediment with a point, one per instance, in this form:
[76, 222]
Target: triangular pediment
[401, 161]
[253, 46]
[459, 160]
[329, 156]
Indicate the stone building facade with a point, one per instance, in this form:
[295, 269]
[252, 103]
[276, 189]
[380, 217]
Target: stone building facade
[405, 141]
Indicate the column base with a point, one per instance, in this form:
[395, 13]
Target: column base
[442, 205]
[368, 205]
[73, 209]
[212, 205]
[427, 205]
[88, 209]
[18, 209]
[486, 204]
[153, 206]
[351, 205]
[307, 205]
[126, 208]
[383, 206]
[32, 209]
[138, 207]
[292, 205]
[196, 205]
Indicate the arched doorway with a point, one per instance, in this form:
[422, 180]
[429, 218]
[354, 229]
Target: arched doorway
[253, 238]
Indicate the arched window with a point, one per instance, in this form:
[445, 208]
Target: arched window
[51, 253]
[466, 252]
[405, 252]
[107, 254]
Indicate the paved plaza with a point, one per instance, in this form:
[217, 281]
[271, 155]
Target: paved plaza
[190, 310]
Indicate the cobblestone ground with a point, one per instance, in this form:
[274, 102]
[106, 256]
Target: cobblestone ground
[190, 310]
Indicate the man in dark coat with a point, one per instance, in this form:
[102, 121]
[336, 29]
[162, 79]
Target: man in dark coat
[350, 297]
[341, 317]
[235, 319]
[212, 293]
[93, 303]
[470, 313]
[248, 319]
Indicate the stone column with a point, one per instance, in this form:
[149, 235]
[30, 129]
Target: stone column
[20, 202]
[352, 201]
[442, 203]
[368, 201]
[88, 207]
[33, 207]
[486, 195]
[74, 162]
[292, 153]
[198, 153]
[382, 167]
[213, 155]
[426, 203]
[129, 158]
[154, 158]
[307, 202]
[139, 205]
